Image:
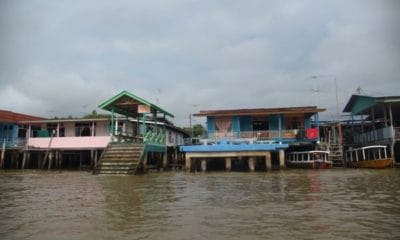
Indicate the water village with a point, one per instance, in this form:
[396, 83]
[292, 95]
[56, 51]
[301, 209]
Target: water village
[137, 136]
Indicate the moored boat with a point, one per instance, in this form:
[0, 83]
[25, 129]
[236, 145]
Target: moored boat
[309, 159]
[369, 157]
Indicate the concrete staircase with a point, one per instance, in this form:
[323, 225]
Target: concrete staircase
[121, 158]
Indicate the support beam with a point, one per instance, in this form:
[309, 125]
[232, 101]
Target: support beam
[251, 162]
[95, 158]
[282, 159]
[28, 158]
[187, 163]
[50, 159]
[3, 152]
[268, 162]
[203, 165]
[164, 160]
[393, 154]
[228, 164]
[24, 159]
[175, 157]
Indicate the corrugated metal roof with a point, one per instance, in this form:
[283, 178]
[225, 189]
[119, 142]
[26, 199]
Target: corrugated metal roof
[259, 111]
[13, 117]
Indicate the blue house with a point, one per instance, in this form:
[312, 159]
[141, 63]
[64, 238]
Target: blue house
[12, 134]
[258, 136]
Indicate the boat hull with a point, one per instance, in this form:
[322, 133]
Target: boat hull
[378, 163]
[309, 165]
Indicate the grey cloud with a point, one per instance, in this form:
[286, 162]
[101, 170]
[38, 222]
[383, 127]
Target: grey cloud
[65, 57]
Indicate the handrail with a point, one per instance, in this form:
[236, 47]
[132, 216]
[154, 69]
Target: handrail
[154, 137]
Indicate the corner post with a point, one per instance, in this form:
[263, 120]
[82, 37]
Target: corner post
[268, 162]
[282, 159]
[228, 164]
[187, 162]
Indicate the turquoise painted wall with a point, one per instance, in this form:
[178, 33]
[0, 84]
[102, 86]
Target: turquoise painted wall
[211, 125]
[273, 122]
[8, 131]
[307, 122]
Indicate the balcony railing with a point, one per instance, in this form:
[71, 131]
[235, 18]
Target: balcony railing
[381, 134]
[13, 143]
[154, 137]
[260, 135]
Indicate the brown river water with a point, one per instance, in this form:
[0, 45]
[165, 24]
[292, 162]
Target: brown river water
[286, 204]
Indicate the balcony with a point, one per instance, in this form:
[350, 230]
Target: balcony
[13, 143]
[379, 135]
[269, 135]
[69, 143]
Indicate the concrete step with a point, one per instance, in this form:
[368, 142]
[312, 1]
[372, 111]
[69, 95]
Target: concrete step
[119, 159]
[121, 156]
[118, 163]
[126, 147]
[100, 172]
[121, 168]
[114, 151]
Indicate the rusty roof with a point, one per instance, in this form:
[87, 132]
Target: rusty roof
[259, 111]
[13, 117]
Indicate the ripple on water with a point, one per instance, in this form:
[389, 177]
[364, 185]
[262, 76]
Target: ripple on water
[292, 204]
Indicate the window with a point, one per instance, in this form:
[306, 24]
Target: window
[294, 123]
[260, 124]
[83, 129]
[52, 128]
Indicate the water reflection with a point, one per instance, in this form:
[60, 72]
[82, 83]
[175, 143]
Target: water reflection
[291, 204]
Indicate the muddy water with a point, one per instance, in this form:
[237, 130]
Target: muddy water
[290, 204]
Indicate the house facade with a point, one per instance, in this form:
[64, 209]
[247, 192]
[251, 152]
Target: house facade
[80, 143]
[254, 133]
[374, 120]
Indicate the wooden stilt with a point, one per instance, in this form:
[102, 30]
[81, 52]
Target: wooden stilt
[69, 161]
[50, 160]
[44, 160]
[80, 160]
[24, 159]
[175, 157]
[57, 160]
[28, 159]
[92, 158]
[95, 158]
[145, 158]
[3, 152]
[15, 159]
[61, 159]
[164, 160]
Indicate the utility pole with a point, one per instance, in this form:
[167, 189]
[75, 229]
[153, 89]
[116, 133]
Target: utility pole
[338, 115]
[190, 125]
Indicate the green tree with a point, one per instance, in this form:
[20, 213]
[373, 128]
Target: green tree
[94, 114]
[198, 130]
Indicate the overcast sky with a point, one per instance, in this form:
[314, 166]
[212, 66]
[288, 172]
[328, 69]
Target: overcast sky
[66, 57]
